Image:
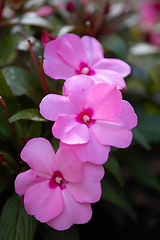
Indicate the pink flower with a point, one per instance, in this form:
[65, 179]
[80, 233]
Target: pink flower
[70, 55]
[58, 189]
[90, 118]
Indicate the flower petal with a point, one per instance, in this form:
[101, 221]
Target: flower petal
[68, 164]
[116, 132]
[127, 116]
[93, 49]
[54, 65]
[52, 105]
[58, 69]
[26, 179]
[92, 151]
[69, 131]
[112, 133]
[39, 155]
[108, 76]
[115, 65]
[89, 190]
[70, 48]
[77, 88]
[43, 202]
[73, 213]
[105, 101]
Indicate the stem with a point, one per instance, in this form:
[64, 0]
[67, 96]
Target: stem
[37, 68]
[43, 76]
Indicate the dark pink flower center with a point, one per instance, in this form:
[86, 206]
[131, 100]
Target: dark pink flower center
[86, 117]
[57, 180]
[85, 70]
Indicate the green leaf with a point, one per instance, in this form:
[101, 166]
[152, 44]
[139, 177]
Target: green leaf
[28, 114]
[8, 48]
[49, 233]
[116, 44]
[109, 194]
[21, 82]
[141, 139]
[15, 223]
[113, 166]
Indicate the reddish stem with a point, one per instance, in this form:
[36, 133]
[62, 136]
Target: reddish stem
[37, 68]
[43, 76]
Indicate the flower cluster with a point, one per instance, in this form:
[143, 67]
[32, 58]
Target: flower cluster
[89, 117]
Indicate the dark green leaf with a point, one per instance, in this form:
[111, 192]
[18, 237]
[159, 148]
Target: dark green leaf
[109, 194]
[15, 223]
[116, 44]
[8, 48]
[28, 114]
[21, 82]
[113, 166]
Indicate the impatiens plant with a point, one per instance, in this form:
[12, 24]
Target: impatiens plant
[70, 55]
[70, 72]
[90, 118]
[58, 188]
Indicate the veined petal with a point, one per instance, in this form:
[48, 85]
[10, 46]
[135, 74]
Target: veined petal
[69, 165]
[52, 105]
[54, 65]
[70, 48]
[93, 49]
[69, 131]
[43, 202]
[89, 190]
[112, 133]
[92, 151]
[77, 89]
[109, 76]
[115, 65]
[73, 213]
[27, 179]
[105, 101]
[58, 69]
[38, 153]
[127, 116]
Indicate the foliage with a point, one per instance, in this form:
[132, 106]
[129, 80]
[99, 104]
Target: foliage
[131, 186]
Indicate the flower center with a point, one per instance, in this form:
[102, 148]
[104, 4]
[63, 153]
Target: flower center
[85, 71]
[85, 117]
[57, 180]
